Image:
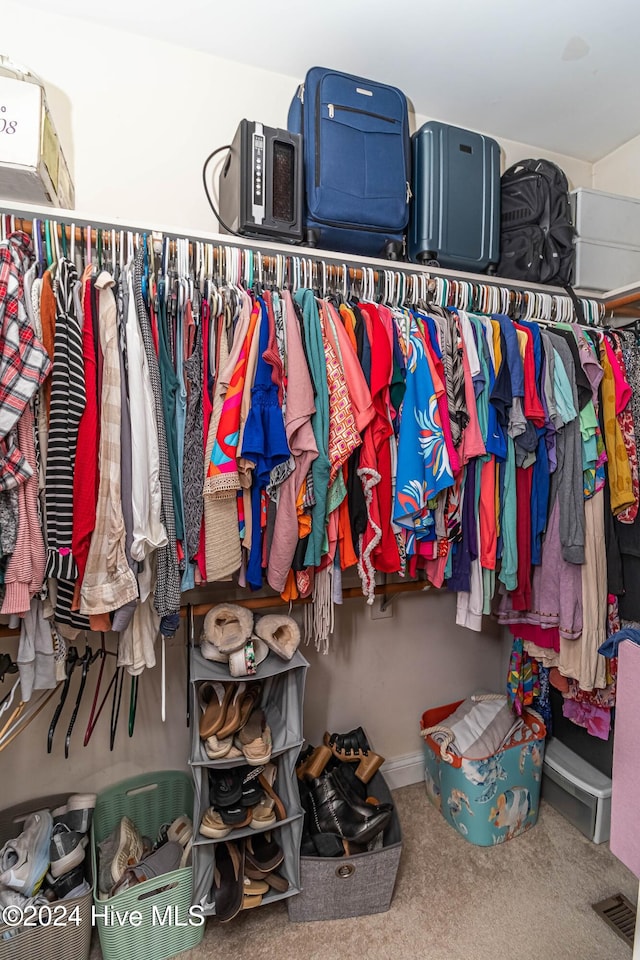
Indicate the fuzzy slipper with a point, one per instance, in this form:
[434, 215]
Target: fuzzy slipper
[228, 627]
[280, 633]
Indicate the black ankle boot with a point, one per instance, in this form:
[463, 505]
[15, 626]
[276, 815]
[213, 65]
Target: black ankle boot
[336, 809]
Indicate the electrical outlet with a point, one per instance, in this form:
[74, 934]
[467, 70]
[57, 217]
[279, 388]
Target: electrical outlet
[377, 613]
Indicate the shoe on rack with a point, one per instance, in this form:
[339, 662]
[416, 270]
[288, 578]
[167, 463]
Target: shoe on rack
[77, 812]
[217, 749]
[25, 860]
[280, 633]
[246, 696]
[214, 698]
[271, 808]
[249, 901]
[225, 786]
[254, 740]
[275, 880]
[66, 850]
[263, 855]
[122, 848]
[227, 891]
[334, 808]
[252, 789]
[227, 626]
[218, 824]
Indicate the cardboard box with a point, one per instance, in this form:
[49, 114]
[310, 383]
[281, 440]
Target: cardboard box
[33, 167]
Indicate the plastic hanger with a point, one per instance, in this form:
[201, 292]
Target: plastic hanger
[115, 706]
[133, 703]
[8, 700]
[71, 661]
[86, 662]
[95, 709]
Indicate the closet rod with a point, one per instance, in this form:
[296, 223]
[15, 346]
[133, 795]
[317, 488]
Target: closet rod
[350, 593]
[26, 212]
[262, 603]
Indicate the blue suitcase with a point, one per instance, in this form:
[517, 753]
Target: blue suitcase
[455, 209]
[356, 162]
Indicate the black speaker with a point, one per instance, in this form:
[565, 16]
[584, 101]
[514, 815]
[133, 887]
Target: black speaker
[260, 187]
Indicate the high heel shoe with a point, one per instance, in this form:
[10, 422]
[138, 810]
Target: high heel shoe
[313, 765]
[353, 747]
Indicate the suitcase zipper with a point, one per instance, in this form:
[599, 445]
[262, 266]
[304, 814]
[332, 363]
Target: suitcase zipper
[332, 107]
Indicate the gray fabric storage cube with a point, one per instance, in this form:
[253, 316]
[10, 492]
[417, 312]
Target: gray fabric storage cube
[334, 888]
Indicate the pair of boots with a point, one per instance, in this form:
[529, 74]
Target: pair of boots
[340, 817]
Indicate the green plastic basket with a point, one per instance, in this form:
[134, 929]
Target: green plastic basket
[151, 920]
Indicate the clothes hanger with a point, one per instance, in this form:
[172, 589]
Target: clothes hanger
[95, 710]
[133, 704]
[71, 661]
[7, 736]
[8, 700]
[86, 661]
[115, 706]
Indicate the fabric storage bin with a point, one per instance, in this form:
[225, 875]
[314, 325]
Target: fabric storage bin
[492, 799]
[167, 926]
[71, 940]
[335, 888]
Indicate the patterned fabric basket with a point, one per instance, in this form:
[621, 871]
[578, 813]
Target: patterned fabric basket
[492, 799]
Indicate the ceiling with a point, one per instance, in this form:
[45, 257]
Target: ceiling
[560, 74]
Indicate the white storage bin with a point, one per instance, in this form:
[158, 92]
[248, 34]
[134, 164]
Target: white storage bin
[605, 266]
[577, 790]
[606, 217]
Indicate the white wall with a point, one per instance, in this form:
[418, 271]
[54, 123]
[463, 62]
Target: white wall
[137, 119]
[619, 172]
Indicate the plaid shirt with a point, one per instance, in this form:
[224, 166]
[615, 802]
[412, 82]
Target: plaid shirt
[24, 363]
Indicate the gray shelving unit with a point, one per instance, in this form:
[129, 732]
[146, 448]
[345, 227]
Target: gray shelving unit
[282, 700]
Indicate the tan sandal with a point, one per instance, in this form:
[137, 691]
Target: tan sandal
[254, 740]
[232, 721]
[214, 698]
[271, 809]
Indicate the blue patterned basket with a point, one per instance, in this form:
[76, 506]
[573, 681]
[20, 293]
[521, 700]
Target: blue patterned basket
[492, 799]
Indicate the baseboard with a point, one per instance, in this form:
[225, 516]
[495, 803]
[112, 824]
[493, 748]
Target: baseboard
[403, 770]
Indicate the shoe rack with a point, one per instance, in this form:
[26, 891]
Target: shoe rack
[282, 701]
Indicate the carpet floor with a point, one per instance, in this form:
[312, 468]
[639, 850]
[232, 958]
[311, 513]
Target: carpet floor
[529, 898]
